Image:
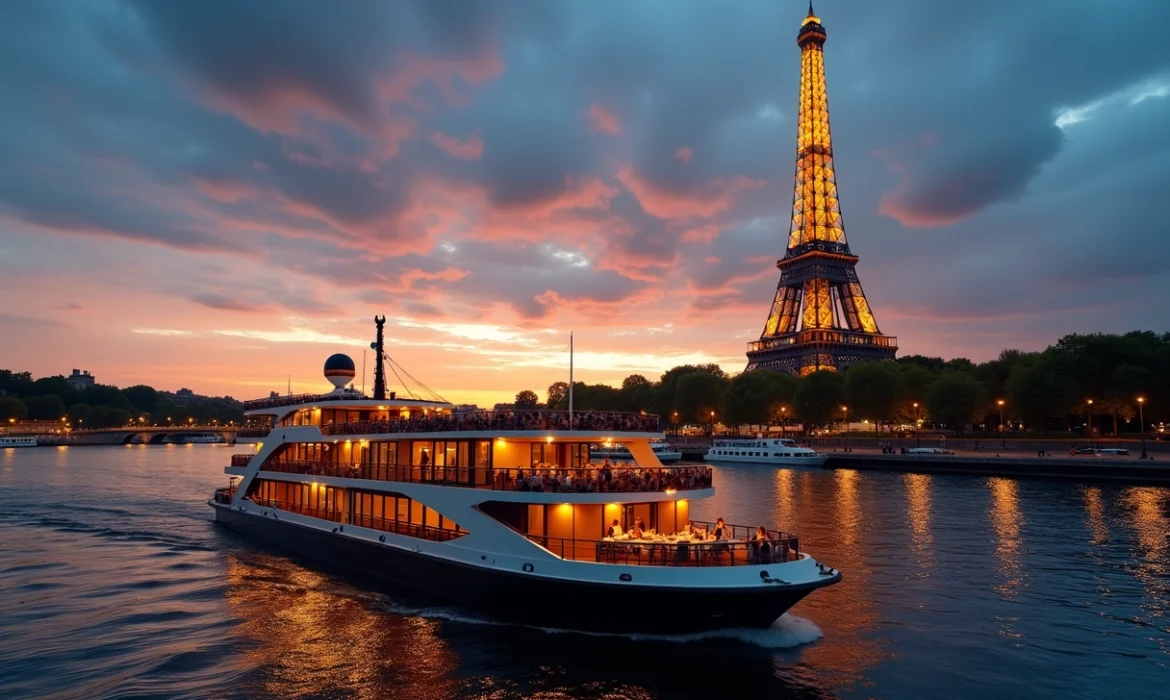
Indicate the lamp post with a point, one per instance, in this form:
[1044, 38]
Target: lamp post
[917, 440]
[712, 423]
[784, 421]
[1092, 443]
[845, 428]
[1002, 445]
[1142, 424]
[674, 420]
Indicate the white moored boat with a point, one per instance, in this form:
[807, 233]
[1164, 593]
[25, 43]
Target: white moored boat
[661, 449]
[502, 511]
[6, 442]
[776, 451]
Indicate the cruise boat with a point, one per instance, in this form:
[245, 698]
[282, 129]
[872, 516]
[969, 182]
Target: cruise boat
[6, 442]
[661, 449]
[504, 512]
[776, 451]
[202, 439]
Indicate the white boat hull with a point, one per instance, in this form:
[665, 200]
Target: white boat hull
[816, 460]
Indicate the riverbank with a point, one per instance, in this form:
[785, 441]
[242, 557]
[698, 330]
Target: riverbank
[1128, 469]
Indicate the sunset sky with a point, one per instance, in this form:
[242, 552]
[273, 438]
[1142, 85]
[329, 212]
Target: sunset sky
[218, 195]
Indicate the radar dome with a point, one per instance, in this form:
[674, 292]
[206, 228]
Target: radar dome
[339, 370]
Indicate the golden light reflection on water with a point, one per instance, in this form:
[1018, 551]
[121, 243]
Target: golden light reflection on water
[314, 640]
[1095, 511]
[1006, 519]
[848, 509]
[918, 512]
[828, 515]
[784, 496]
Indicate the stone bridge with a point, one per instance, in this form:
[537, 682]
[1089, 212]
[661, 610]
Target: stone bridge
[151, 435]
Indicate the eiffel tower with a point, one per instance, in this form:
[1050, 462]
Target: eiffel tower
[820, 317]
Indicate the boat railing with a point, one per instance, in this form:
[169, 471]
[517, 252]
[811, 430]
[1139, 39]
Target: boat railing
[601, 421]
[397, 527]
[594, 479]
[294, 399]
[253, 432]
[224, 496]
[241, 460]
[779, 548]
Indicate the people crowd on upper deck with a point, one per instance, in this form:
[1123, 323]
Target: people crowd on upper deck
[500, 420]
[601, 478]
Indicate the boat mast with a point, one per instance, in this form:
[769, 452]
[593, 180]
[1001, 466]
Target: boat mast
[378, 346]
[570, 380]
[363, 372]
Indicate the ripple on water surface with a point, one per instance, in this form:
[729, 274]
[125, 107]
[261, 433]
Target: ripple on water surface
[117, 585]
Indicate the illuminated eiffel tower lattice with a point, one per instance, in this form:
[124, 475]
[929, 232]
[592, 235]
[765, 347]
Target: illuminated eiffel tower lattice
[820, 318]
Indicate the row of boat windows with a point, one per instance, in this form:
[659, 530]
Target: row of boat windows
[736, 453]
[439, 453]
[389, 512]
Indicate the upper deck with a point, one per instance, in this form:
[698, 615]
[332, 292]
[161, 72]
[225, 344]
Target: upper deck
[336, 415]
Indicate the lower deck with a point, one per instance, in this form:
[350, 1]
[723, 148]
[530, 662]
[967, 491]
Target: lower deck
[655, 533]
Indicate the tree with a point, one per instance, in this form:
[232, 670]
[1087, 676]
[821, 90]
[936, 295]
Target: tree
[755, 398]
[558, 395]
[48, 407]
[698, 394]
[956, 399]
[637, 393]
[19, 383]
[635, 381]
[527, 399]
[80, 414]
[913, 387]
[1035, 393]
[12, 408]
[596, 397]
[819, 397]
[675, 373]
[872, 391]
[143, 397]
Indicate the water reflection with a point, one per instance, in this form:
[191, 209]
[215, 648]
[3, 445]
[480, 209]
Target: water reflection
[1006, 519]
[1095, 512]
[316, 637]
[918, 512]
[848, 509]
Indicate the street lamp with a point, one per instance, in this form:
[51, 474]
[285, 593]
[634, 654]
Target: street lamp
[917, 440]
[1142, 424]
[1002, 446]
[845, 428]
[674, 420]
[712, 423]
[784, 421]
[1092, 443]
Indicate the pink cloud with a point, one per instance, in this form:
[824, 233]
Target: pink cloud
[700, 203]
[226, 191]
[468, 149]
[602, 120]
[702, 234]
[712, 260]
[684, 154]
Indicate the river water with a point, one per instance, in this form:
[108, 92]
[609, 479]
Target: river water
[115, 583]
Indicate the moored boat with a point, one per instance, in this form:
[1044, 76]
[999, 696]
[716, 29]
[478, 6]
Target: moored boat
[776, 451]
[12, 442]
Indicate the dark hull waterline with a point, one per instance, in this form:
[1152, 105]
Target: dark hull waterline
[530, 599]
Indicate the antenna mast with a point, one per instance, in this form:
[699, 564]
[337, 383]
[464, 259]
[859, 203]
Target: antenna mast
[378, 346]
[570, 380]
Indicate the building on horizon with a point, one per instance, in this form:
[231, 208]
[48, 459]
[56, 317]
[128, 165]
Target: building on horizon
[81, 379]
[820, 317]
